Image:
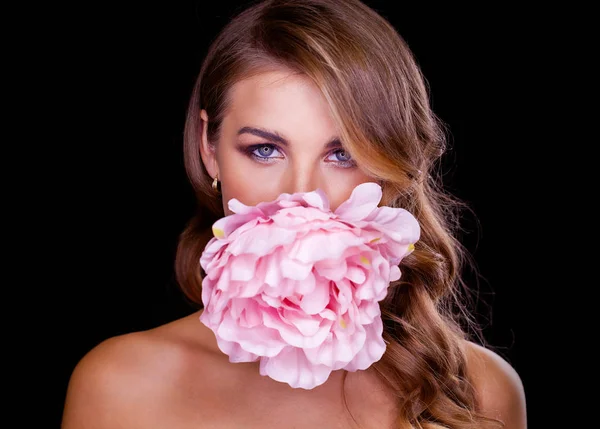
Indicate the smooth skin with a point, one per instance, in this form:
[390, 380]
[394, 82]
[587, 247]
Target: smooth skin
[174, 376]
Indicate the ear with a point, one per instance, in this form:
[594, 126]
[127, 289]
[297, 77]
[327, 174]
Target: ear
[207, 149]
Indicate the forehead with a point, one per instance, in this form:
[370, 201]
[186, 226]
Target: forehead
[280, 100]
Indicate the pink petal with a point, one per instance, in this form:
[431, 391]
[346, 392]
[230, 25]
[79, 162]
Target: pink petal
[286, 203]
[236, 206]
[207, 290]
[295, 270]
[328, 314]
[236, 307]
[270, 269]
[308, 326]
[259, 340]
[395, 251]
[373, 349]
[291, 366]
[262, 240]
[235, 352]
[345, 347]
[375, 288]
[317, 199]
[292, 302]
[285, 288]
[317, 300]
[362, 202]
[381, 280]
[250, 289]
[214, 273]
[251, 315]
[224, 282]
[323, 354]
[356, 275]
[211, 320]
[292, 335]
[271, 300]
[242, 267]
[332, 269]
[306, 214]
[318, 245]
[287, 221]
[398, 224]
[230, 223]
[343, 294]
[212, 253]
[268, 208]
[367, 312]
[306, 286]
[241, 228]
[338, 350]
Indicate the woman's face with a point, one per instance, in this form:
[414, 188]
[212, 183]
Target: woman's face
[278, 136]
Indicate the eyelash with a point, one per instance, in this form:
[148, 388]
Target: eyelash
[265, 160]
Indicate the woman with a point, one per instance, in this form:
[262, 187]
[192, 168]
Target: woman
[296, 95]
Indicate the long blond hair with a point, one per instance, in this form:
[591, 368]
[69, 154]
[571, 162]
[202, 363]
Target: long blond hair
[380, 102]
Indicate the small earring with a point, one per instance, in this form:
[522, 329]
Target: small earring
[215, 182]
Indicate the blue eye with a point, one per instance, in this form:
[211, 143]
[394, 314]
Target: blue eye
[263, 152]
[345, 155]
[342, 158]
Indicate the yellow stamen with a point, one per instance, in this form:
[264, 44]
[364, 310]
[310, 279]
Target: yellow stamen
[364, 260]
[219, 233]
[343, 323]
[411, 247]
[375, 240]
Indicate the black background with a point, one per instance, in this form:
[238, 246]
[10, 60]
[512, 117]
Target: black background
[119, 79]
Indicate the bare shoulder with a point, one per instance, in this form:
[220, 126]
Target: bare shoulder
[127, 380]
[498, 385]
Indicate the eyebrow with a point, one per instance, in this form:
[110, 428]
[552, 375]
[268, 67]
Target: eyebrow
[273, 136]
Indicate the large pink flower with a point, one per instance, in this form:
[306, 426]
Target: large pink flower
[298, 286]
